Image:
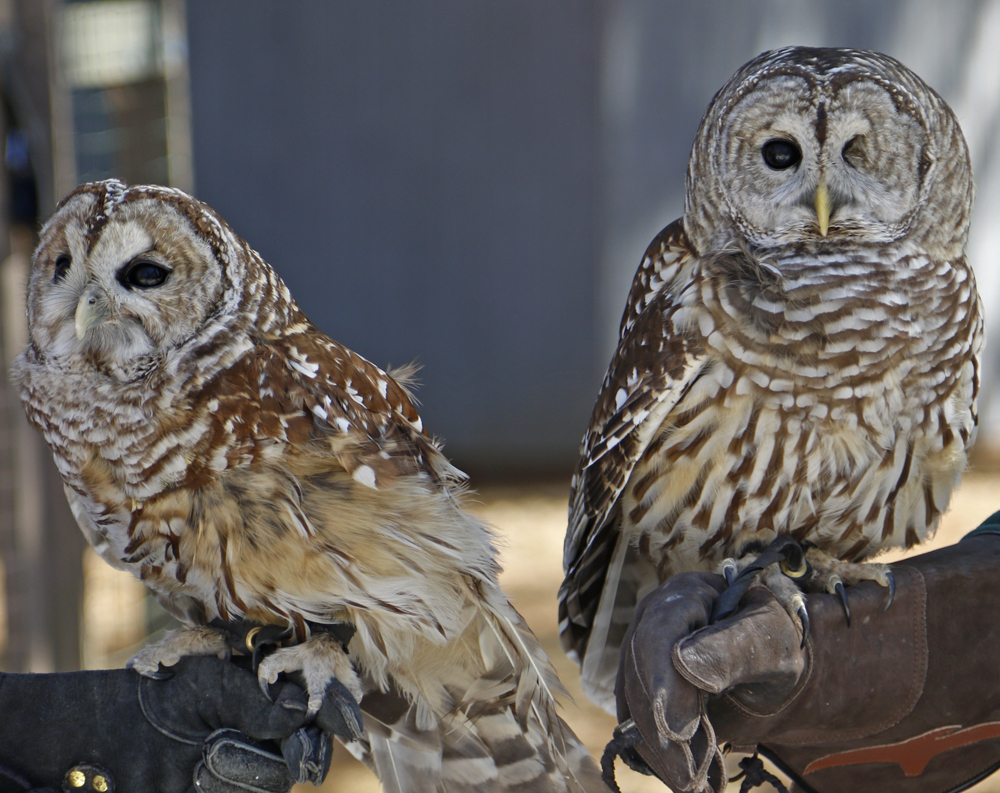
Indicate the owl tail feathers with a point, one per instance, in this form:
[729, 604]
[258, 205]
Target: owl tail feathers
[488, 752]
[522, 727]
[629, 579]
[502, 733]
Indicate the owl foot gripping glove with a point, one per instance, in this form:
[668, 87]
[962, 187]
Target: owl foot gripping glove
[904, 700]
[206, 727]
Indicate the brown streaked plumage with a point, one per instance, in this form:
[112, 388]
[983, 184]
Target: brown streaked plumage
[243, 465]
[799, 353]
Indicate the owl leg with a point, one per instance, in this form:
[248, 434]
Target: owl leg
[200, 640]
[829, 574]
[320, 659]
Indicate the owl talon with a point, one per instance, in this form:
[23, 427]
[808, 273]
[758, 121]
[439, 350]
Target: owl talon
[841, 591]
[803, 614]
[891, 583]
[160, 673]
[784, 554]
[729, 570]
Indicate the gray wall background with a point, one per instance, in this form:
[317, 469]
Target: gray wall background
[472, 184]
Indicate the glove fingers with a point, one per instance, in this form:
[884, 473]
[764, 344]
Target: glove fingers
[759, 642]
[340, 713]
[232, 763]
[686, 762]
[308, 754]
[290, 708]
[227, 695]
[690, 597]
[678, 742]
[245, 707]
[667, 703]
[667, 615]
[238, 702]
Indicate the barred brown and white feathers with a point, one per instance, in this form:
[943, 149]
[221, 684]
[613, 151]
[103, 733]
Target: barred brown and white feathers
[243, 465]
[799, 353]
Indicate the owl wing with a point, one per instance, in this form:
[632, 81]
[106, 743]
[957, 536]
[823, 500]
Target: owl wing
[315, 453]
[321, 389]
[652, 368]
[496, 730]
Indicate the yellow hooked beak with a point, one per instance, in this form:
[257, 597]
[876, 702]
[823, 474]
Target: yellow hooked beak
[90, 312]
[823, 208]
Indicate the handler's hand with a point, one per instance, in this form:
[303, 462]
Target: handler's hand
[678, 743]
[207, 727]
[904, 698]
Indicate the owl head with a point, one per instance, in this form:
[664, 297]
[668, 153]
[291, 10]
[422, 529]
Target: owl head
[812, 147]
[124, 273]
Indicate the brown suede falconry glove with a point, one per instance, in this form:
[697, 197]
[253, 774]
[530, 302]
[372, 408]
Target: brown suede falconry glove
[903, 700]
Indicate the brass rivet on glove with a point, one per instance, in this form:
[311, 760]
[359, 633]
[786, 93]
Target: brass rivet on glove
[88, 778]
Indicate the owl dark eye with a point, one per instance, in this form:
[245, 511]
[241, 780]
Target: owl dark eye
[781, 154]
[144, 275]
[853, 151]
[62, 267]
[925, 164]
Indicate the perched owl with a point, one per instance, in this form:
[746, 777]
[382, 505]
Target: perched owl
[243, 465]
[799, 354]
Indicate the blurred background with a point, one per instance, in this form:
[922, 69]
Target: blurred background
[466, 184]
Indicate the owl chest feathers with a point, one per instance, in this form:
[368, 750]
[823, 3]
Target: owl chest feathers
[835, 400]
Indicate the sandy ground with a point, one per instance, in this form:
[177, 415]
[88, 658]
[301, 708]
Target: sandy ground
[531, 521]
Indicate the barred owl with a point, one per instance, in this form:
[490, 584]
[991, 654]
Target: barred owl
[799, 354]
[245, 466]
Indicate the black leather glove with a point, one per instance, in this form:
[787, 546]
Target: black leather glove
[207, 727]
[905, 699]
